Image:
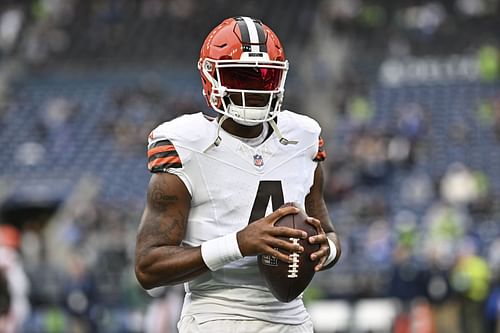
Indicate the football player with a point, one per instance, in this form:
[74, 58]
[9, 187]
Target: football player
[218, 186]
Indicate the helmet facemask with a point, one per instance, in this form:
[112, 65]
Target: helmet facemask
[248, 91]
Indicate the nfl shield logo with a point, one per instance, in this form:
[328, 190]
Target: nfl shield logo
[257, 160]
[269, 260]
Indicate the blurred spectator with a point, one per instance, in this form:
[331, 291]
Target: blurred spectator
[405, 230]
[11, 22]
[495, 106]
[370, 154]
[492, 312]
[459, 131]
[80, 294]
[139, 108]
[53, 128]
[378, 242]
[459, 186]
[151, 9]
[426, 18]
[367, 206]
[489, 63]
[493, 256]
[411, 127]
[4, 300]
[485, 200]
[18, 284]
[443, 228]
[407, 281]
[30, 153]
[359, 110]
[417, 190]
[55, 117]
[343, 10]
[411, 121]
[440, 294]
[57, 12]
[163, 312]
[41, 41]
[398, 46]
[471, 279]
[342, 180]
[493, 301]
[181, 9]
[400, 151]
[422, 317]
[475, 7]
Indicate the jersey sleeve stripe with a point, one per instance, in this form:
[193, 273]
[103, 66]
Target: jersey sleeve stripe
[160, 143]
[165, 163]
[161, 149]
[161, 155]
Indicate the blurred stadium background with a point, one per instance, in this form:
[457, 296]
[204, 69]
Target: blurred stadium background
[407, 91]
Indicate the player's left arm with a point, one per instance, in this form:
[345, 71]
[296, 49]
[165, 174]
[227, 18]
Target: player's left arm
[316, 209]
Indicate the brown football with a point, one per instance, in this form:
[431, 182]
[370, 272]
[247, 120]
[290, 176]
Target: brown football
[286, 281]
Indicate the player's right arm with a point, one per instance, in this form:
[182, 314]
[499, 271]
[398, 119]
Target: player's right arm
[159, 257]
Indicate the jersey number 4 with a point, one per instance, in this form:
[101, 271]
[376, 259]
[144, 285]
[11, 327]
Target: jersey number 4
[268, 190]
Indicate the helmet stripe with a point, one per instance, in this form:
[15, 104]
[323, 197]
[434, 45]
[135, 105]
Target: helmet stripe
[245, 37]
[252, 31]
[262, 37]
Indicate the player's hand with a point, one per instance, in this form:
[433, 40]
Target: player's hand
[322, 240]
[262, 237]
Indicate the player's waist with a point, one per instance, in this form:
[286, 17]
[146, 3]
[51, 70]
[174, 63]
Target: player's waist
[239, 303]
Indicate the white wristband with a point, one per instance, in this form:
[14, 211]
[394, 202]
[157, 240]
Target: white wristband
[220, 251]
[333, 253]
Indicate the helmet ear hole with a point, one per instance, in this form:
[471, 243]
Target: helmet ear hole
[207, 65]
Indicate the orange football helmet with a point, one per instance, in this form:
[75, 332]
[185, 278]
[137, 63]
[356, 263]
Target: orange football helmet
[242, 61]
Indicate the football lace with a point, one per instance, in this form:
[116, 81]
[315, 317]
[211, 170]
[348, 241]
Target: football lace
[293, 267]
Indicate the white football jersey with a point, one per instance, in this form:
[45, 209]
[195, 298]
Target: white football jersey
[231, 185]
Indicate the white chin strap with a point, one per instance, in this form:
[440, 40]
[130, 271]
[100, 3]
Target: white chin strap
[248, 116]
[245, 123]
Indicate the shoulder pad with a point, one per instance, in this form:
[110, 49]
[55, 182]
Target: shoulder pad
[171, 144]
[192, 131]
[305, 130]
[293, 124]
